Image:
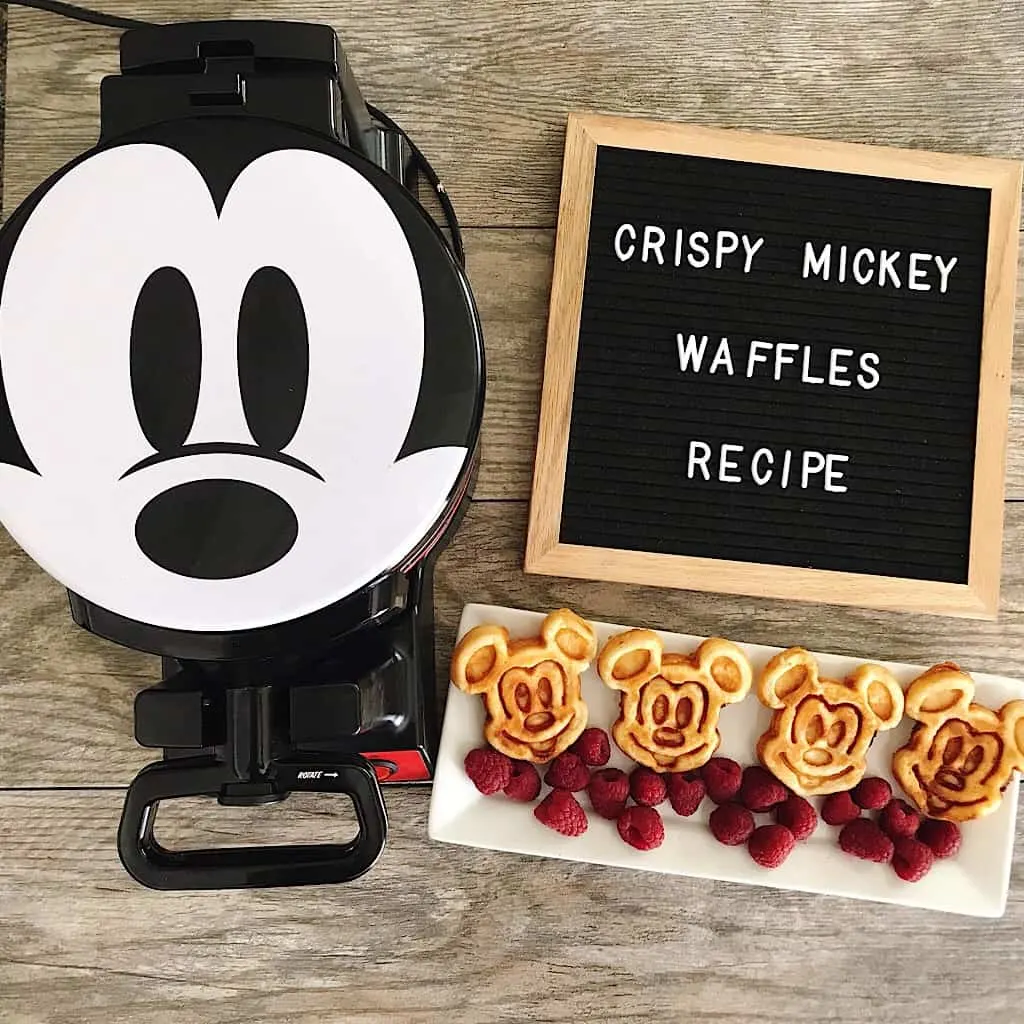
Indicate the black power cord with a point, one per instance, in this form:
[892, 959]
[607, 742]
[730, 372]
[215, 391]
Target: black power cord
[77, 13]
[92, 17]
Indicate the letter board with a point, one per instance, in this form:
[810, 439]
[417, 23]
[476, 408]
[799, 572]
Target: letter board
[778, 367]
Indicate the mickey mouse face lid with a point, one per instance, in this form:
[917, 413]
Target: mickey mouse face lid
[241, 375]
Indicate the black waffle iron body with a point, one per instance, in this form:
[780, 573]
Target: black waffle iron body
[242, 384]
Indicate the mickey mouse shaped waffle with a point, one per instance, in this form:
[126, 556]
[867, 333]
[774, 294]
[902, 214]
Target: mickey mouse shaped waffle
[668, 711]
[821, 730]
[530, 687]
[961, 756]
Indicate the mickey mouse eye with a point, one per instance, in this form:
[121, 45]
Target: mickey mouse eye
[660, 710]
[953, 749]
[684, 712]
[273, 357]
[545, 694]
[166, 358]
[974, 760]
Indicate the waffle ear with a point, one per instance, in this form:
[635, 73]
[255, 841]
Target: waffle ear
[1012, 715]
[630, 659]
[791, 672]
[565, 632]
[727, 667]
[480, 658]
[881, 694]
[942, 689]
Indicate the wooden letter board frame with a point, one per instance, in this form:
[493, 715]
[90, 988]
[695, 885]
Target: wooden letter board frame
[545, 553]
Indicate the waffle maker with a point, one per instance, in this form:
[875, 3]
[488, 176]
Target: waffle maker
[241, 384]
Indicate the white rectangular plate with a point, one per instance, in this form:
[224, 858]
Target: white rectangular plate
[974, 882]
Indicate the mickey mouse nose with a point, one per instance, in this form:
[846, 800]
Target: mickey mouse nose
[216, 529]
[950, 779]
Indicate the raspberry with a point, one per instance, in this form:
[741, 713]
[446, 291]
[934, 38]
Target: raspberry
[641, 827]
[567, 771]
[798, 816]
[647, 787]
[898, 820]
[722, 777]
[609, 791]
[941, 837]
[525, 782]
[839, 809]
[560, 811]
[770, 845]
[863, 838]
[760, 790]
[731, 824]
[685, 793]
[593, 747]
[489, 769]
[911, 860]
[872, 794]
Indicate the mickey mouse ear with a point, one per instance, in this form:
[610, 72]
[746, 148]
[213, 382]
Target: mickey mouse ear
[728, 667]
[571, 635]
[938, 691]
[882, 693]
[630, 659]
[786, 673]
[480, 658]
[1013, 715]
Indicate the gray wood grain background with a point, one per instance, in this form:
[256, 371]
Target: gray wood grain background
[438, 933]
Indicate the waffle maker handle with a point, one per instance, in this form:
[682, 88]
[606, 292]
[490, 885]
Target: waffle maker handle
[250, 866]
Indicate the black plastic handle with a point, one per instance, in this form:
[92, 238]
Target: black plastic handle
[250, 866]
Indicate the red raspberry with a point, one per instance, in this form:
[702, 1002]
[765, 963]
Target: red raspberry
[770, 845]
[647, 787]
[685, 793]
[798, 816]
[760, 790]
[731, 824]
[839, 809]
[560, 811]
[593, 747]
[863, 838]
[525, 782]
[722, 777]
[567, 771]
[898, 819]
[609, 791]
[911, 860]
[641, 827]
[489, 769]
[941, 837]
[872, 794]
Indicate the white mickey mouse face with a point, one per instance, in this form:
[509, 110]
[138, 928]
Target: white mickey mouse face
[215, 401]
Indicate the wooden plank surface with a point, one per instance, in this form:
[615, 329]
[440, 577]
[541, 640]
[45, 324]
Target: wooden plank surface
[444, 933]
[436, 932]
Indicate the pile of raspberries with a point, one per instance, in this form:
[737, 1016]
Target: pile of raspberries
[898, 836]
[581, 768]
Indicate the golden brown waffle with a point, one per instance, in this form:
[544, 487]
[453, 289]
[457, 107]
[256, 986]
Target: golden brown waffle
[961, 755]
[530, 687]
[821, 730]
[668, 711]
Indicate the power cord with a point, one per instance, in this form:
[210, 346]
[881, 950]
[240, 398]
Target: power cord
[85, 14]
[77, 13]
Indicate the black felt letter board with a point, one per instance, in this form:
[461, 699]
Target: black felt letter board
[894, 498]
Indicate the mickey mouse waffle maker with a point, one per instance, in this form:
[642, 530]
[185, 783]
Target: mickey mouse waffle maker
[242, 383]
